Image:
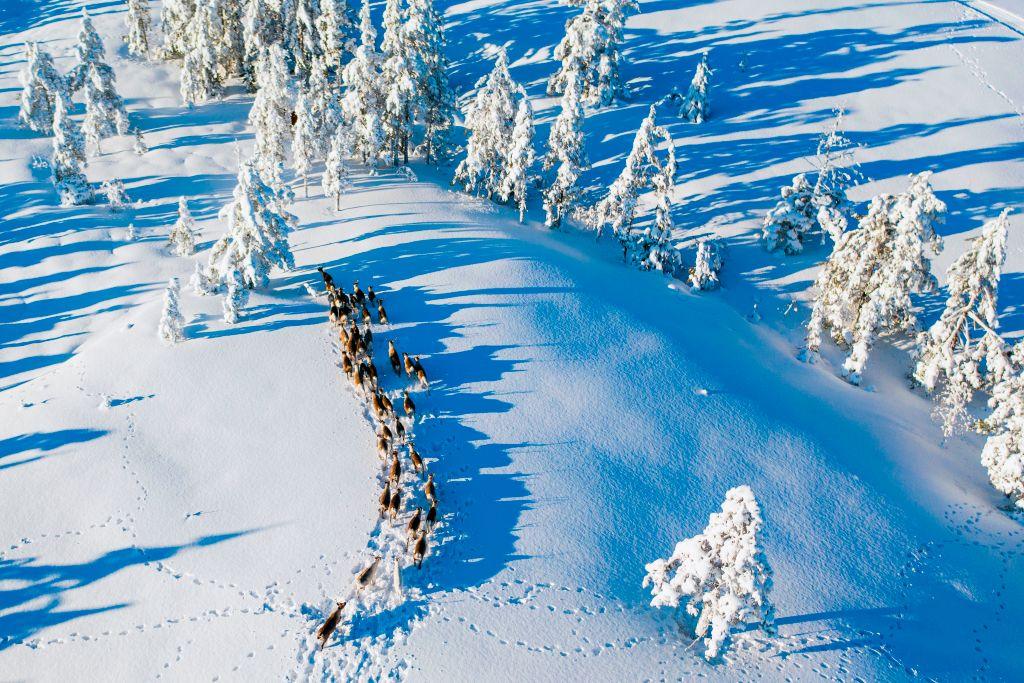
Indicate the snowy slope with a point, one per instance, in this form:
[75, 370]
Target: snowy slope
[187, 513]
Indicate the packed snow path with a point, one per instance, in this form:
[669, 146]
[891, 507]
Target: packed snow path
[188, 513]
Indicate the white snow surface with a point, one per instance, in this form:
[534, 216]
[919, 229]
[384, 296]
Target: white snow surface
[190, 512]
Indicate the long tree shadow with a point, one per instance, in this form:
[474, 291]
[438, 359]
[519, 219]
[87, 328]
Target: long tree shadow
[43, 441]
[27, 581]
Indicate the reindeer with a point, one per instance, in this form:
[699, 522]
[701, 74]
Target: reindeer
[366, 576]
[367, 320]
[355, 333]
[328, 280]
[414, 523]
[368, 338]
[421, 374]
[370, 294]
[389, 408]
[395, 506]
[352, 345]
[334, 315]
[343, 337]
[429, 491]
[361, 348]
[323, 634]
[386, 432]
[385, 499]
[383, 446]
[431, 516]
[382, 315]
[346, 364]
[378, 407]
[410, 407]
[357, 377]
[396, 468]
[357, 294]
[420, 550]
[410, 369]
[392, 355]
[417, 461]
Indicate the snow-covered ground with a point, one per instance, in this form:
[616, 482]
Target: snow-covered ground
[188, 513]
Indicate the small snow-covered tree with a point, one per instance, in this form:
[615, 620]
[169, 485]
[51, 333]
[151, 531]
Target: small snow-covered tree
[565, 149]
[722, 574]
[138, 23]
[90, 52]
[182, 238]
[834, 160]
[433, 99]
[1003, 454]
[962, 350]
[618, 208]
[41, 83]
[304, 142]
[236, 296]
[864, 289]
[362, 103]
[696, 106]
[336, 181]
[202, 282]
[490, 120]
[707, 265]
[113, 190]
[271, 115]
[175, 17]
[139, 145]
[172, 321]
[654, 249]
[519, 159]
[257, 236]
[590, 48]
[104, 110]
[337, 33]
[68, 158]
[787, 225]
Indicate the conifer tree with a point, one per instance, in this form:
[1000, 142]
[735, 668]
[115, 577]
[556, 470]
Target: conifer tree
[175, 19]
[336, 181]
[201, 75]
[792, 219]
[424, 33]
[696, 105]
[1003, 454]
[172, 322]
[519, 159]
[89, 51]
[362, 103]
[41, 84]
[490, 120]
[324, 106]
[337, 33]
[654, 249]
[236, 296]
[399, 83]
[68, 158]
[104, 110]
[304, 142]
[864, 289]
[257, 236]
[590, 48]
[722, 574]
[182, 238]
[138, 23]
[709, 261]
[834, 160]
[301, 40]
[262, 26]
[565, 149]
[113, 190]
[271, 115]
[962, 351]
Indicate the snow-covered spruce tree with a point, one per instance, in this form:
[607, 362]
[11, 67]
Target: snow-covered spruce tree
[399, 83]
[304, 143]
[201, 75]
[696, 105]
[301, 40]
[962, 351]
[201, 282]
[104, 110]
[231, 46]
[424, 33]
[335, 178]
[138, 23]
[236, 296]
[68, 158]
[41, 83]
[262, 27]
[863, 290]
[337, 33]
[172, 321]
[519, 159]
[89, 51]
[182, 238]
[654, 249]
[1003, 454]
[706, 266]
[618, 208]
[722, 574]
[792, 219]
[324, 106]
[175, 18]
[257, 236]
[113, 190]
[270, 115]
[565, 149]
[490, 120]
[590, 47]
[834, 159]
[362, 104]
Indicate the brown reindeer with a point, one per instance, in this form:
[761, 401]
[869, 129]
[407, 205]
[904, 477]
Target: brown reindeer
[383, 446]
[378, 407]
[357, 294]
[386, 432]
[382, 315]
[420, 550]
[323, 634]
[357, 377]
[367, 320]
[328, 280]
[421, 374]
[399, 429]
[388, 407]
[396, 467]
[431, 516]
[368, 338]
[346, 364]
[410, 407]
[429, 491]
[385, 499]
[343, 337]
[396, 363]
[370, 294]
[395, 506]
[365, 577]
[417, 461]
[410, 369]
[414, 523]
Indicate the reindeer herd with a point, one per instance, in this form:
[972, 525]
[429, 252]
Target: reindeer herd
[393, 428]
